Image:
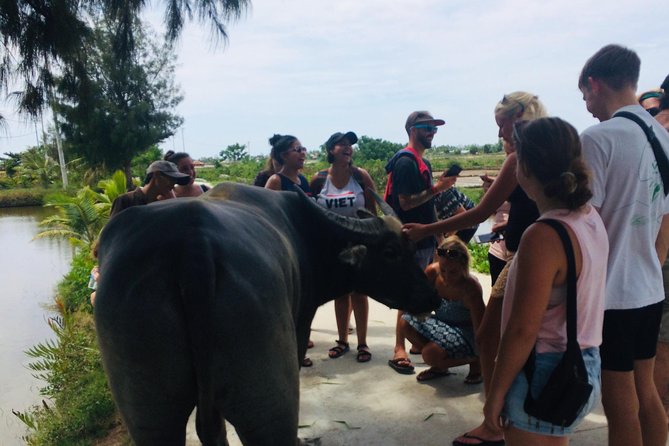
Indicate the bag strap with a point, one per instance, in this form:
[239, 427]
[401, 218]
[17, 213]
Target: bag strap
[660, 156]
[572, 340]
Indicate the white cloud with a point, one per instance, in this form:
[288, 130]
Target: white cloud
[313, 67]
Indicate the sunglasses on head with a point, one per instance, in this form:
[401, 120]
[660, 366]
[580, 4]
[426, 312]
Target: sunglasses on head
[299, 149]
[428, 127]
[449, 253]
[521, 106]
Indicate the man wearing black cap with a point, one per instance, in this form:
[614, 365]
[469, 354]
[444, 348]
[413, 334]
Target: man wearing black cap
[161, 176]
[410, 193]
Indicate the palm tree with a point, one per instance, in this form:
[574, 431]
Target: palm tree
[40, 37]
[81, 218]
[78, 219]
[37, 167]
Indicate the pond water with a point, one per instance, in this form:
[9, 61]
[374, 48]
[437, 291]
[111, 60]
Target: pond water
[29, 272]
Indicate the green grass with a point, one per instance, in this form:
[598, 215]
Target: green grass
[22, 197]
[492, 161]
[479, 254]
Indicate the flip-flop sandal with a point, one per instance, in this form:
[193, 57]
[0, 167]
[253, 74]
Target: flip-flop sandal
[306, 362]
[481, 441]
[414, 351]
[401, 365]
[364, 355]
[474, 379]
[427, 375]
[339, 349]
[310, 344]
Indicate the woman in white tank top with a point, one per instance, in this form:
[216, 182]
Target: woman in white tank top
[342, 188]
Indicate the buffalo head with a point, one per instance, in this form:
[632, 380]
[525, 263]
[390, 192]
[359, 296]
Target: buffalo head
[378, 261]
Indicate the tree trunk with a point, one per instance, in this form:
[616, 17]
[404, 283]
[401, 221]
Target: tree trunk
[128, 177]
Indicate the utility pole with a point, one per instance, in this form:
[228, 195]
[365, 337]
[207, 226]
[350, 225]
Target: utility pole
[59, 143]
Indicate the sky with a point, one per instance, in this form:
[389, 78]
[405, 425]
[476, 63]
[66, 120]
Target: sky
[310, 68]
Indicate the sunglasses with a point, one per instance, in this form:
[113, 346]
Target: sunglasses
[299, 149]
[521, 106]
[428, 127]
[653, 110]
[449, 253]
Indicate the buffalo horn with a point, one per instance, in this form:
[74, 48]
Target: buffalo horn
[385, 207]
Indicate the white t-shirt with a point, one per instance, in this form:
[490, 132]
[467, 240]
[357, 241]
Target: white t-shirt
[629, 194]
[345, 201]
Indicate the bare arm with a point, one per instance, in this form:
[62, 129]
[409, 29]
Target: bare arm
[662, 241]
[370, 202]
[536, 274]
[473, 300]
[408, 202]
[273, 183]
[499, 191]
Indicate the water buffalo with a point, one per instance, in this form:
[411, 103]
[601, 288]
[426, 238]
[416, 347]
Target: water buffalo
[208, 302]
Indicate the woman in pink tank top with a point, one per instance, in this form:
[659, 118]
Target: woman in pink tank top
[552, 172]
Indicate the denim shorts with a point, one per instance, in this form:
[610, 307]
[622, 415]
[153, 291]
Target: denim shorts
[515, 414]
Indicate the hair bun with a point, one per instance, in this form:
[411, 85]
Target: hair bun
[569, 181]
[275, 138]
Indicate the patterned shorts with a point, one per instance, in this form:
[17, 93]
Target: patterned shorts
[457, 341]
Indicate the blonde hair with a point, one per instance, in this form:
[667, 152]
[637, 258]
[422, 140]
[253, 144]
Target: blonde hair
[454, 243]
[525, 106]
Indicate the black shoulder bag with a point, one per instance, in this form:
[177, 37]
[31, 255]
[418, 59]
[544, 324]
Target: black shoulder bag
[660, 156]
[567, 389]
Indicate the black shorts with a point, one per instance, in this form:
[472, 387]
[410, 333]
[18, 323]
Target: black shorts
[496, 267]
[629, 335]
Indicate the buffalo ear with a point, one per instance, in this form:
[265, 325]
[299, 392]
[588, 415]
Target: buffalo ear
[353, 256]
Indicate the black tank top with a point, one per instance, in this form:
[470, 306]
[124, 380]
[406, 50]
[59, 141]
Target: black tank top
[287, 184]
[522, 214]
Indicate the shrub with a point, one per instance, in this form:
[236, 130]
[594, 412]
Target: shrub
[21, 197]
[82, 408]
[73, 291]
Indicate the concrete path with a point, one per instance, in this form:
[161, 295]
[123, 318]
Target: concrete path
[347, 403]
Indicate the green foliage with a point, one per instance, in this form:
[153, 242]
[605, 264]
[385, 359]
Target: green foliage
[38, 167]
[142, 160]
[10, 162]
[112, 188]
[375, 149]
[21, 197]
[40, 35]
[81, 408]
[235, 152]
[441, 161]
[78, 219]
[479, 254]
[474, 193]
[240, 172]
[125, 106]
[469, 149]
[377, 170]
[73, 292]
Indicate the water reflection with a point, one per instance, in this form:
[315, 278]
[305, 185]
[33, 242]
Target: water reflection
[29, 272]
